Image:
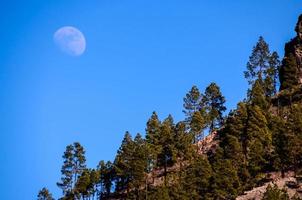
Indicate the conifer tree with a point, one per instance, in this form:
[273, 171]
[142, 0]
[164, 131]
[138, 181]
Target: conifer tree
[73, 166]
[44, 194]
[197, 125]
[263, 66]
[122, 162]
[82, 185]
[66, 183]
[214, 102]
[184, 150]
[167, 156]
[153, 138]
[79, 160]
[94, 176]
[225, 183]
[233, 139]
[139, 165]
[197, 178]
[258, 62]
[105, 181]
[258, 97]
[182, 142]
[192, 103]
[280, 141]
[249, 126]
[259, 140]
[233, 150]
[294, 136]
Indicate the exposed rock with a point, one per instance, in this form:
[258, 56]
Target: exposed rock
[288, 182]
[294, 47]
[208, 143]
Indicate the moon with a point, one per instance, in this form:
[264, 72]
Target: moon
[70, 40]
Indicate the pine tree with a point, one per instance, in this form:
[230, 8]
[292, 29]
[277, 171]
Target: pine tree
[94, 176]
[82, 185]
[233, 150]
[73, 166]
[192, 103]
[79, 160]
[139, 165]
[184, 153]
[214, 102]
[257, 96]
[225, 183]
[66, 183]
[197, 125]
[263, 67]
[44, 194]
[152, 139]
[197, 178]
[122, 162]
[259, 140]
[258, 62]
[105, 181]
[233, 139]
[280, 142]
[182, 143]
[167, 156]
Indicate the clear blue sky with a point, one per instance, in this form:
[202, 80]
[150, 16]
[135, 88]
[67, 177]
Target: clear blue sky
[141, 56]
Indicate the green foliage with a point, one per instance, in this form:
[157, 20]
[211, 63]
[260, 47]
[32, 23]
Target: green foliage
[83, 184]
[153, 132]
[167, 155]
[130, 164]
[294, 135]
[225, 183]
[44, 194]
[274, 193]
[258, 62]
[257, 96]
[197, 125]
[214, 101]
[198, 174]
[263, 67]
[73, 166]
[139, 162]
[105, 180]
[122, 163]
[183, 143]
[192, 102]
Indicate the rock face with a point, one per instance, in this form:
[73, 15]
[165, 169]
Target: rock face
[294, 48]
[298, 44]
[282, 183]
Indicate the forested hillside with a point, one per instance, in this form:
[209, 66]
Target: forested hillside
[171, 160]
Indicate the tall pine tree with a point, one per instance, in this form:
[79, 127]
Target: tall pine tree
[192, 103]
[214, 101]
[73, 166]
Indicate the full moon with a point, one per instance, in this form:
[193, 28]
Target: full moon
[70, 40]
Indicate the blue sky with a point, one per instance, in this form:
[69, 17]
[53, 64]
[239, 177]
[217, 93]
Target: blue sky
[141, 56]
